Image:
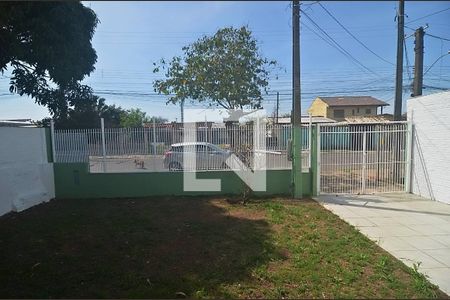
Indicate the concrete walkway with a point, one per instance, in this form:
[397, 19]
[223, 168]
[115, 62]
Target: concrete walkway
[411, 228]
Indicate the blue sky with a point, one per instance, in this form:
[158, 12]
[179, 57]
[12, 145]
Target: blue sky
[132, 35]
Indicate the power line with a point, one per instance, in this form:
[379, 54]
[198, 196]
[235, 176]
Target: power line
[339, 47]
[353, 36]
[146, 75]
[409, 28]
[438, 37]
[315, 92]
[429, 15]
[407, 61]
[429, 68]
[436, 87]
[190, 34]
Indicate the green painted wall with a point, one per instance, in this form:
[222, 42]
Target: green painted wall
[314, 162]
[48, 142]
[72, 180]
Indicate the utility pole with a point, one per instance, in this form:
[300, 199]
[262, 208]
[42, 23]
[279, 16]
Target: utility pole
[278, 105]
[296, 118]
[418, 62]
[399, 71]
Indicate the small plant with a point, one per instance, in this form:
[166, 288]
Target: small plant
[246, 194]
[243, 198]
[363, 257]
[421, 283]
[201, 294]
[382, 263]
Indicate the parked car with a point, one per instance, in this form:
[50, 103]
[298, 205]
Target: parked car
[208, 156]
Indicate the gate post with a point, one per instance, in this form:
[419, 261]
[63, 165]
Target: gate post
[102, 123]
[52, 137]
[154, 144]
[364, 167]
[310, 139]
[315, 160]
[409, 148]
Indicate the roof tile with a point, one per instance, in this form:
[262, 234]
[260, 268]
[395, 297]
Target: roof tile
[353, 101]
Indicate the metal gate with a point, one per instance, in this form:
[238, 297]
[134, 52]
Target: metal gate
[363, 158]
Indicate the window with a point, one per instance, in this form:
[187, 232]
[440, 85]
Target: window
[338, 113]
[357, 110]
[368, 111]
[201, 148]
[213, 149]
[353, 112]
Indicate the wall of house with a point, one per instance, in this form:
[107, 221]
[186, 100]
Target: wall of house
[351, 111]
[26, 176]
[73, 180]
[318, 108]
[430, 166]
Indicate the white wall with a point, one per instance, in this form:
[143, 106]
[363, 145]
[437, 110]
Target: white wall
[431, 146]
[26, 177]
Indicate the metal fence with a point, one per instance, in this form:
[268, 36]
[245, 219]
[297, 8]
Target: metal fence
[353, 158]
[158, 148]
[363, 158]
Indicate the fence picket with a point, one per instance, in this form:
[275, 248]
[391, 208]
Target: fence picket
[115, 149]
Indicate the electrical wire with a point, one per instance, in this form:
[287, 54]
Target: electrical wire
[438, 37]
[353, 36]
[429, 68]
[429, 15]
[436, 87]
[407, 60]
[338, 46]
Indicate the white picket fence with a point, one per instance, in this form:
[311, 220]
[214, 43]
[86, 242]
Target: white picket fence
[146, 149]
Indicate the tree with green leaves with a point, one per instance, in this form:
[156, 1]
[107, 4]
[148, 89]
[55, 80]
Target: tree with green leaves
[48, 47]
[225, 70]
[88, 112]
[157, 120]
[85, 111]
[133, 118]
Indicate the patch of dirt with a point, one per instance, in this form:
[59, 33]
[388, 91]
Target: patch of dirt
[276, 266]
[248, 214]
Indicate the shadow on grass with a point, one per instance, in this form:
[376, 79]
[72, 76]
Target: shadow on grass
[139, 248]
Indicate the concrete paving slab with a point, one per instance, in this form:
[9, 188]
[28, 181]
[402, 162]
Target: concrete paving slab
[360, 222]
[423, 242]
[432, 229]
[374, 233]
[417, 220]
[440, 255]
[393, 243]
[397, 230]
[381, 221]
[413, 229]
[444, 239]
[439, 276]
[410, 257]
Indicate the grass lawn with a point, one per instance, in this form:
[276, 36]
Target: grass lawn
[198, 247]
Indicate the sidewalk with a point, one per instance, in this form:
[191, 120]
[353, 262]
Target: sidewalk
[411, 228]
